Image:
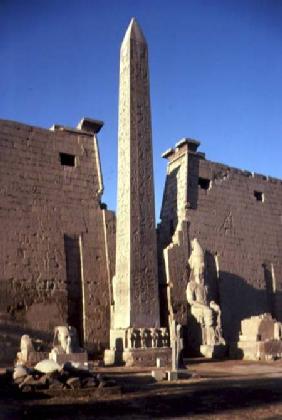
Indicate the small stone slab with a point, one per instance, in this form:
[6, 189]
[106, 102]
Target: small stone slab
[147, 356]
[174, 375]
[78, 358]
[159, 375]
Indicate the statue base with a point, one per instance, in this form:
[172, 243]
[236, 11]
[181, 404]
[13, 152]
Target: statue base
[138, 347]
[174, 375]
[140, 357]
[80, 358]
[31, 358]
[257, 350]
[213, 351]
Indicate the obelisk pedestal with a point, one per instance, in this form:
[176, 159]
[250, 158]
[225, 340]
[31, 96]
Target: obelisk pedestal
[136, 337]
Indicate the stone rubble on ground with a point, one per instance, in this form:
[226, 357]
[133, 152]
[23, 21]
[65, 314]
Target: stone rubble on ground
[47, 374]
[69, 370]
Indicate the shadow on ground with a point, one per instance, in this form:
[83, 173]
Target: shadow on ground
[143, 399]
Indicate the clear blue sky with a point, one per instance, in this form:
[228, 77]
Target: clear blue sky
[215, 68]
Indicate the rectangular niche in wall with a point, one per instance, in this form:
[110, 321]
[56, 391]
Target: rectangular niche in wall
[74, 283]
[259, 196]
[204, 183]
[67, 159]
[270, 287]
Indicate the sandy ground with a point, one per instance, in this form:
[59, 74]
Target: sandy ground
[218, 390]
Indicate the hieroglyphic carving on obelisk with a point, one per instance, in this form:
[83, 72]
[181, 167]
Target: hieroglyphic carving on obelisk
[135, 286]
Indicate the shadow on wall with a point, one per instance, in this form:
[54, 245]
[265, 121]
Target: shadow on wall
[74, 284]
[165, 232]
[211, 276]
[10, 338]
[169, 220]
[240, 300]
[193, 181]
[169, 207]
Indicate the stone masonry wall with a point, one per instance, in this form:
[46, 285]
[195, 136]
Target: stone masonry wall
[53, 245]
[237, 218]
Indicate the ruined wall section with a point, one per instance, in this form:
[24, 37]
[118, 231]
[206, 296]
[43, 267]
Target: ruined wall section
[175, 194]
[53, 243]
[236, 216]
[172, 241]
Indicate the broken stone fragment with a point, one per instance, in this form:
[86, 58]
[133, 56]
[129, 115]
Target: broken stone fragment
[29, 381]
[44, 380]
[107, 383]
[71, 370]
[73, 383]
[47, 366]
[159, 375]
[19, 373]
[89, 382]
[27, 388]
[55, 384]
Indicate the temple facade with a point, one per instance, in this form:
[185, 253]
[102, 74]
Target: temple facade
[61, 261]
[236, 217]
[57, 256]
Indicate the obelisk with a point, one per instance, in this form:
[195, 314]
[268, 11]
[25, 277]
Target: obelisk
[136, 281]
[135, 285]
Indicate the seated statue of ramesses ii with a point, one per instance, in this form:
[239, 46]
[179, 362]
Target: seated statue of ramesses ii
[207, 314]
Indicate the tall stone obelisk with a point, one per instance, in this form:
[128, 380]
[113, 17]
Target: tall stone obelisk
[136, 282]
[135, 285]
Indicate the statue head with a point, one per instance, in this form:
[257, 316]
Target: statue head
[61, 334]
[196, 261]
[26, 343]
[65, 337]
[197, 250]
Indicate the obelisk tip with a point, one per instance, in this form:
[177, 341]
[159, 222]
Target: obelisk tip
[134, 32]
